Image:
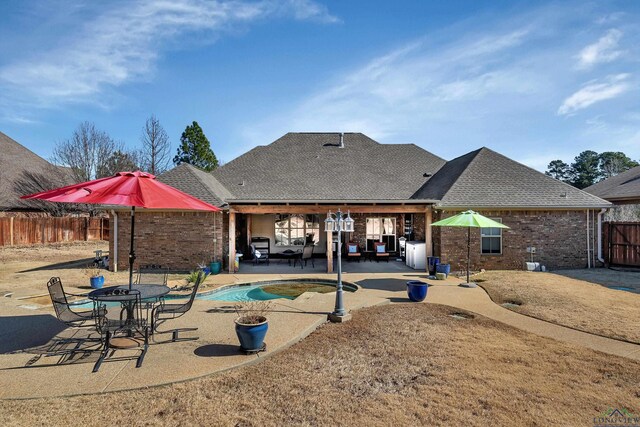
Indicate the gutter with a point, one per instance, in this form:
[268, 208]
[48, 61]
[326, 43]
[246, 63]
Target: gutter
[115, 241]
[600, 257]
[333, 202]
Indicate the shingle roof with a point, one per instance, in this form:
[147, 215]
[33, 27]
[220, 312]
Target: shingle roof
[486, 179]
[312, 166]
[624, 186]
[24, 172]
[197, 183]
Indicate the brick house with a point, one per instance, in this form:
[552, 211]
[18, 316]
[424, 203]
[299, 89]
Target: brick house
[279, 195]
[623, 190]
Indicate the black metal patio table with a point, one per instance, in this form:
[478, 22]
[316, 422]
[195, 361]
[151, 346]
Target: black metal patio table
[290, 255]
[122, 295]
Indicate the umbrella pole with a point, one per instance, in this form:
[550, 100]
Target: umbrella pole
[132, 254]
[468, 251]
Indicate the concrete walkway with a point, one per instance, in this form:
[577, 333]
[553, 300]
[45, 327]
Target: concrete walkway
[26, 373]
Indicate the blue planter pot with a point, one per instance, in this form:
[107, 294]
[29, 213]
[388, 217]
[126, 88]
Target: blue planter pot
[97, 282]
[443, 268]
[417, 290]
[251, 337]
[432, 262]
[215, 267]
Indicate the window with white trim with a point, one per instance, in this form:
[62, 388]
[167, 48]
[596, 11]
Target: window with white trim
[296, 230]
[381, 230]
[491, 239]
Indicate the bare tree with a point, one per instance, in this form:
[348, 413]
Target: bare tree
[86, 152]
[155, 154]
[30, 182]
[119, 161]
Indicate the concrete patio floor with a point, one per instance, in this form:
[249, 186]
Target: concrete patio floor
[26, 373]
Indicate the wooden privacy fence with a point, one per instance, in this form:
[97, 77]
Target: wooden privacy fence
[621, 243]
[43, 230]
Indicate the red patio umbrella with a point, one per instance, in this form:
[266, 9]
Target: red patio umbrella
[135, 189]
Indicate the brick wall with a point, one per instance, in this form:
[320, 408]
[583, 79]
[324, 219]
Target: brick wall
[559, 237]
[175, 240]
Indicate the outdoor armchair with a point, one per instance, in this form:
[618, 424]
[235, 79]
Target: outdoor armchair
[353, 251]
[307, 254]
[163, 312]
[125, 332]
[152, 276]
[381, 251]
[259, 256]
[61, 305]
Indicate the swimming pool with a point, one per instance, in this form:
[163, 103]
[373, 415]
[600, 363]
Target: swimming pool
[255, 291]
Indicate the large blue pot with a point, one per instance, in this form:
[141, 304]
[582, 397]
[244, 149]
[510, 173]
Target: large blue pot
[96, 282]
[251, 336]
[215, 267]
[443, 268]
[417, 290]
[432, 262]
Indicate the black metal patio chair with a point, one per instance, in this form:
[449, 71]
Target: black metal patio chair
[259, 256]
[124, 332]
[152, 276]
[61, 305]
[163, 312]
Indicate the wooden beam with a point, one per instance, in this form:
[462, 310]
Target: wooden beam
[232, 242]
[249, 219]
[428, 236]
[321, 209]
[329, 250]
[11, 231]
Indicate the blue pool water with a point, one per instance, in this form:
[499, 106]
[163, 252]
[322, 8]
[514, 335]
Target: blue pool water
[241, 294]
[237, 293]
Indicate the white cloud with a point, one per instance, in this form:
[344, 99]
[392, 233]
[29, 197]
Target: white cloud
[124, 43]
[604, 50]
[595, 91]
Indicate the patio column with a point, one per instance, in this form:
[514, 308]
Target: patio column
[232, 241]
[249, 216]
[329, 250]
[428, 237]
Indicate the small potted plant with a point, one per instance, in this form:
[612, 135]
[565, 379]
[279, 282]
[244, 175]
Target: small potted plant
[252, 326]
[96, 279]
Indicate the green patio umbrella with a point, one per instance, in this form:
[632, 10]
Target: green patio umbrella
[469, 219]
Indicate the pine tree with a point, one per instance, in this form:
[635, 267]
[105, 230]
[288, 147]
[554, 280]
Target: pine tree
[195, 149]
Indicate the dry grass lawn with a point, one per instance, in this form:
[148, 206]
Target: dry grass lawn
[402, 364]
[568, 302]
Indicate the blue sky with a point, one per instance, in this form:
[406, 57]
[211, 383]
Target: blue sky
[535, 81]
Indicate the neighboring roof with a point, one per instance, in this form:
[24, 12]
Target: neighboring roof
[23, 172]
[486, 179]
[625, 186]
[313, 167]
[196, 182]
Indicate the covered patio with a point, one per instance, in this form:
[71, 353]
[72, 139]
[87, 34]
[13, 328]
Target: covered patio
[282, 266]
[277, 228]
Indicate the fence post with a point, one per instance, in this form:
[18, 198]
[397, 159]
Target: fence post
[11, 231]
[86, 229]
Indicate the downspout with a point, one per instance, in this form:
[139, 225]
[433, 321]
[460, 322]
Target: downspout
[114, 259]
[588, 242]
[600, 257]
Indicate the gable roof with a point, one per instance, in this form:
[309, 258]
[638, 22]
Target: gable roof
[196, 182]
[624, 186]
[24, 172]
[313, 167]
[486, 179]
